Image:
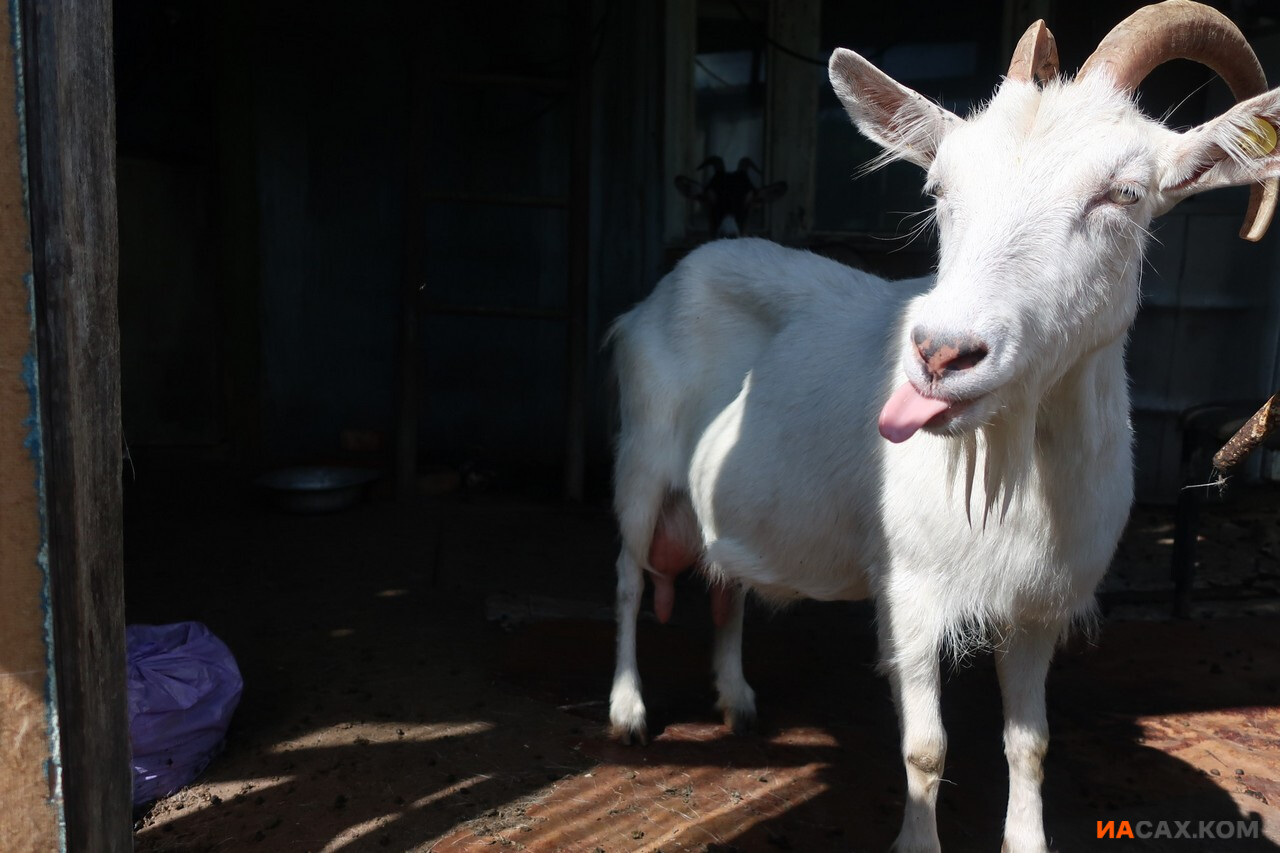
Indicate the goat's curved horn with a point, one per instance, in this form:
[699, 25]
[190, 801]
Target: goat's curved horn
[746, 165]
[715, 162]
[1181, 29]
[1036, 54]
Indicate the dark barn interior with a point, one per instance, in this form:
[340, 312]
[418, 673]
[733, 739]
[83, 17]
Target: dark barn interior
[389, 238]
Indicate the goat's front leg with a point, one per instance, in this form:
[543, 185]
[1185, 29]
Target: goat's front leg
[910, 648]
[626, 705]
[1023, 664]
[736, 698]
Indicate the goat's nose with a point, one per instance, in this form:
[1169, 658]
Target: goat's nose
[729, 228]
[943, 354]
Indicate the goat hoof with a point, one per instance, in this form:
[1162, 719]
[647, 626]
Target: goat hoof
[738, 704]
[627, 714]
[741, 721]
[916, 845]
[1032, 847]
[636, 733]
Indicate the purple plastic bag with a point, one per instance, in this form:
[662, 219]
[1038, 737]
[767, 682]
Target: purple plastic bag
[184, 686]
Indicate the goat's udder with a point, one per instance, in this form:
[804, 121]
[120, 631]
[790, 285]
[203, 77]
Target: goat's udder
[672, 551]
[664, 596]
[664, 599]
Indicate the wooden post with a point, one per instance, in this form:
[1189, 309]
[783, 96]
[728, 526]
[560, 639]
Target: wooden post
[30, 777]
[70, 123]
[792, 117]
[231, 50]
[408, 355]
[579, 253]
[679, 154]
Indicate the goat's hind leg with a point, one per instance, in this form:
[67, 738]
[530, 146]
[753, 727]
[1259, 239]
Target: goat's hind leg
[626, 705]
[672, 547]
[736, 698]
[1022, 663]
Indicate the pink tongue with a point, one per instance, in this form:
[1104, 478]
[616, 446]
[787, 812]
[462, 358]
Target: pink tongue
[907, 411]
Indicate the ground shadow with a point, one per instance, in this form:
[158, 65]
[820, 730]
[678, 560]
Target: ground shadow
[382, 710]
[1138, 722]
[371, 717]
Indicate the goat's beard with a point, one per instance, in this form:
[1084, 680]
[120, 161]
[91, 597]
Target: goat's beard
[1004, 445]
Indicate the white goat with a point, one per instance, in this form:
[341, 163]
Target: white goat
[751, 380]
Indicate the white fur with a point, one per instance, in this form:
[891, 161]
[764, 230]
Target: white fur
[751, 380]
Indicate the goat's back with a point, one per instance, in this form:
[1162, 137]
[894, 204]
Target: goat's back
[682, 355]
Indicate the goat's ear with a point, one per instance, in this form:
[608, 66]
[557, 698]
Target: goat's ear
[688, 187]
[769, 192]
[903, 122]
[1238, 147]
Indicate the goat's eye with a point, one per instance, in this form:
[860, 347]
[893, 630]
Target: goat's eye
[1123, 194]
[933, 191]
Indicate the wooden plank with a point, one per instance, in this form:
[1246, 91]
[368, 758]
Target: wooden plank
[71, 161]
[792, 116]
[579, 255]
[29, 775]
[679, 156]
[412, 284]
[627, 244]
[232, 50]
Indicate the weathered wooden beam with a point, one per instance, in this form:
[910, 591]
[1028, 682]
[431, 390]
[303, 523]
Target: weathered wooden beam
[232, 50]
[413, 282]
[679, 154]
[792, 107]
[71, 161]
[579, 241]
[30, 809]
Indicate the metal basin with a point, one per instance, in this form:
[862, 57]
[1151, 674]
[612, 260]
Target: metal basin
[317, 488]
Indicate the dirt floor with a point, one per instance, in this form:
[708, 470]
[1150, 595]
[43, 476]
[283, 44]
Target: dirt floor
[432, 677]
